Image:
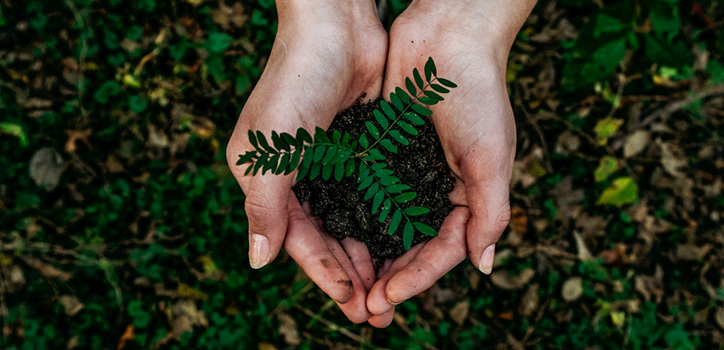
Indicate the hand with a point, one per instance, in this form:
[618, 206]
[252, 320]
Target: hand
[325, 56]
[469, 41]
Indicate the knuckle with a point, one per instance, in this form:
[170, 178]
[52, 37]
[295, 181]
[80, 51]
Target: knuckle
[258, 211]
[502, 218]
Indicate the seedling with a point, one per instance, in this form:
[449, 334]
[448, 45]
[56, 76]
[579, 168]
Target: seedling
[337, 156]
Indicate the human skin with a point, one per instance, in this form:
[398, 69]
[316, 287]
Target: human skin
[469, 41]
[325, 56]
[337, 52]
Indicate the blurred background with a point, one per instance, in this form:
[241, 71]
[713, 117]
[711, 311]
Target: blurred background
[122, 228]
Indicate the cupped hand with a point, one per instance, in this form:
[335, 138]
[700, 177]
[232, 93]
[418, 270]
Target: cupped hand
[326, 55]
[476, 128]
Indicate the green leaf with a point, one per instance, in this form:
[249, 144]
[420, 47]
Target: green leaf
[607, 166]
[402, 95]
[264, 144]
[410, 87]
[363, 141]
[373, 130]
[428, 101]
[418, 79]
[289, 139]
[419, 109]
[395, 222]
[386, 205]
[350, 167]
[416, 211]
[283, 162]
[424, 229]
[375, 153]
[218, 42]
[414, 118]
[396, 188]
[434, 96]
[303, 136]
[308, 156]
[249, 169]
[319, 152]
[407, 235]
[405, 197]
[388, 110]
[365, 183]
[381, 119]
[372, 191]
[294, 161]
[407, 127]
[314, 171]
[447, 83]
[260, 162]
[336, 136]
[387, 144]
[247, 157]
[378, 166]
[389, 180]
[396, 101]
[605, 128]
[16, 130]
[272, 164]
[278, 142]
[622, 191]
[439, 88]
[377, 201]
[252, 139]
[303, 170]
[398, 137]
[331, 152]
[321, 136]
[327, 171]
[430, 69]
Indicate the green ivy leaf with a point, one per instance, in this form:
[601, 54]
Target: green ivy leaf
[418, 79]
[405, 197]
[308, 157]
[294, 161]
[376, 155]
[439, 88]
[303, 171]
[303, 136]
[372, 191]
[319, 152]
[407, 127]
[350, 167]
[397, 188]
[247, 157]
[410, 87]
[402, 95]
[396, 101]
[387, 144]
[314, 172]
[365, 183]
[363, 141]
[252, 139]
[421, 110]
[289, 139]
[414, 118]
[430, 69]
[386, 205]
[424, 229]
[263, 142]
[283, 162]
[388, 110]
[447, 83]
[331, 152]
[377, 201]
[327, 170]
[398, 137]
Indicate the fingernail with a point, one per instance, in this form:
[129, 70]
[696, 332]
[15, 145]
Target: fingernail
[395, 304]
[486, 260]
[259, 253]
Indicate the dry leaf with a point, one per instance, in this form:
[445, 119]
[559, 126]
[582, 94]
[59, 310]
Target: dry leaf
[692, 252]
[71, 304]
[636, 143]
[266, 346]
[46, 166]
[529, 303]
[673, 158]
[503, 279]
[572, 289]
[185, 317]
[288, 329]
[128, 335]
[460, 312]
[583, 253]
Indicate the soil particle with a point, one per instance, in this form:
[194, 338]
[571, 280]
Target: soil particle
[342, 208]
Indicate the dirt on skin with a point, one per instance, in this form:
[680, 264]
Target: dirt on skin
[343, 210]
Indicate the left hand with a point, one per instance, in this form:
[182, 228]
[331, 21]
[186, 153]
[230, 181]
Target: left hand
[476, 128]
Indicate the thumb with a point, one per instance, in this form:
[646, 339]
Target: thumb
[266, 204]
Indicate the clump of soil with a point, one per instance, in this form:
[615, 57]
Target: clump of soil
[342, 208]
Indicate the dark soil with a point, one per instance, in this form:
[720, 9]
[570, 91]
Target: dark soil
[342, 208]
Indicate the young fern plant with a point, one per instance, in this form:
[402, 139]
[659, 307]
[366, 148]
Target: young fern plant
[337, 155]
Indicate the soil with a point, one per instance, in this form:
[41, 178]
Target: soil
[343, 210]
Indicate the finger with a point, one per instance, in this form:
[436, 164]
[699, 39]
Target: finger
[440, 255]
[377, 302]
[488, 199]
[355, 309]
[266, 209]
[384, 320]
[307, 247]
[361, 260]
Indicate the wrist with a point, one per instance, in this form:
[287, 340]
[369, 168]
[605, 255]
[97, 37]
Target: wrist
[496, 22]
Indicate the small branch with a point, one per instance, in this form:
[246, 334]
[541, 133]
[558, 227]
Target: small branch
[673, 107]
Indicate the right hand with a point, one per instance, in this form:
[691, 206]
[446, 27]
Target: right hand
[326, 55]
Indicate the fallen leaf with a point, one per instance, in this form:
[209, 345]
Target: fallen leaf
[460, 312]
[618, 318]
[71, 304]
[622, 191]
[673, 158]
[692, 252]
[128, 335]
[636, 143]
[185, 317]
[518, 220]
[46, 166]
[583, 253]
[504, 280]
[607, 166]
[288, 329]
[185, 291]
[605, 128]
[529, 303]
[572, 289]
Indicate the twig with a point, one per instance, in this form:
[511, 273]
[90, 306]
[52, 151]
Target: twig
[331, 325]
[673, 107]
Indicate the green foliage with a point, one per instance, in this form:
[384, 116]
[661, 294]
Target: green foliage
[338, 156]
